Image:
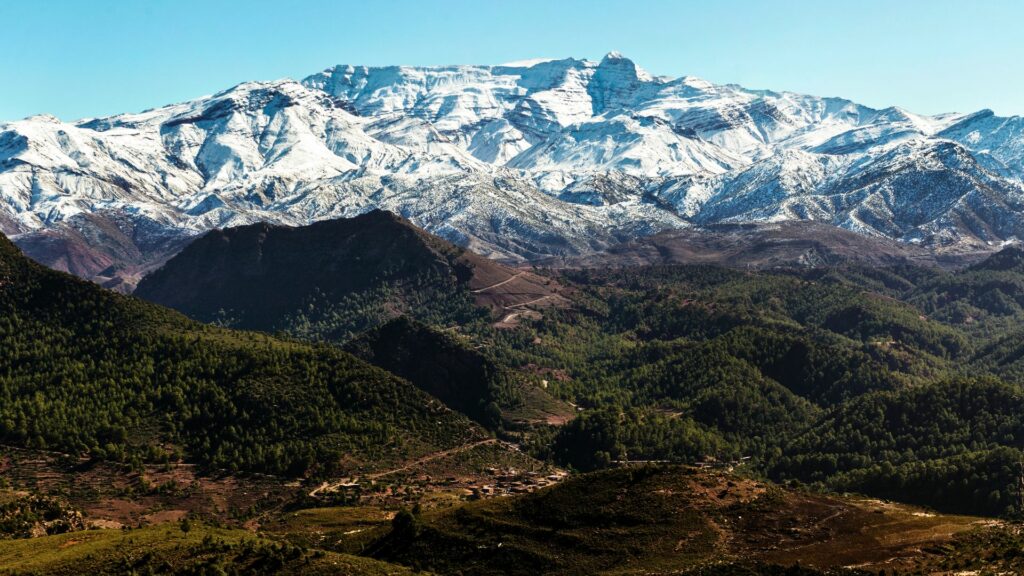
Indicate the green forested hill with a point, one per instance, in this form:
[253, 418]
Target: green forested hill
[85, 370]
[443, 366]
[899, 381]
[848, 378]
[326, 281]
[953, 444]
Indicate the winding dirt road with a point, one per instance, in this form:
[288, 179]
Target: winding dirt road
[503, 282]
[329, 487]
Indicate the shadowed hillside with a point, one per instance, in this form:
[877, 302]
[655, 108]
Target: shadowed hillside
[333, 279]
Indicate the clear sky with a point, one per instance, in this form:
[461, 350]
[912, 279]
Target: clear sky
[80, 58]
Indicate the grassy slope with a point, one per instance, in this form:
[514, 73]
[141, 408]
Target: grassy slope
[649, 520]
[166, 549]
[348, 529]
[662, 519]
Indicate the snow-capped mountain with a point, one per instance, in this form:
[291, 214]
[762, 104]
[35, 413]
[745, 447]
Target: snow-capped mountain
[522, 160]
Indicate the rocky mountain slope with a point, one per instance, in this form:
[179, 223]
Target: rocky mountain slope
[766, 245]
[521, 161]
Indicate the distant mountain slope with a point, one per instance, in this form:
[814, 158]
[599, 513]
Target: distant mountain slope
[523, 161]
[113, 252]
[802, 244]
[335, 278]
[88, 371]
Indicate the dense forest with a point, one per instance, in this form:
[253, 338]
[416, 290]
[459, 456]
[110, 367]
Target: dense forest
[899, 381]
[444, 366]
[902, 382]
[88, 371]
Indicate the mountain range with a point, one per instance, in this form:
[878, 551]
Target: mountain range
[523, 161]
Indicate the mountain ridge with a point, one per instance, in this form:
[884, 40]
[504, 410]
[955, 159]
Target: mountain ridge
[522, 161]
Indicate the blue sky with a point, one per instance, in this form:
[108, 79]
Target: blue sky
[80, 58]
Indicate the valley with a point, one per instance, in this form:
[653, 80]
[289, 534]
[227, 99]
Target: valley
[356, 396]
[328, 287]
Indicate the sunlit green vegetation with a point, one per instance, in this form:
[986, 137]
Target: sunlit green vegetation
[87, 371]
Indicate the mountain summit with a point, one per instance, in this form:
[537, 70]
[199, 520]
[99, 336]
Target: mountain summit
[520, 161]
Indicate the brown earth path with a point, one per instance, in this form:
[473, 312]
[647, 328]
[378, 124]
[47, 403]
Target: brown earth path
[327, 486]
[495, 285]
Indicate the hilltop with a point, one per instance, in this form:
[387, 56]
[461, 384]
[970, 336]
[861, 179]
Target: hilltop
[333, 279]
[658, 520]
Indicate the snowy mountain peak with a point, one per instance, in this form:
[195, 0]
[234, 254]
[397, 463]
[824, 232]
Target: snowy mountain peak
[46, 118]
[616, 59]
[525, 159]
